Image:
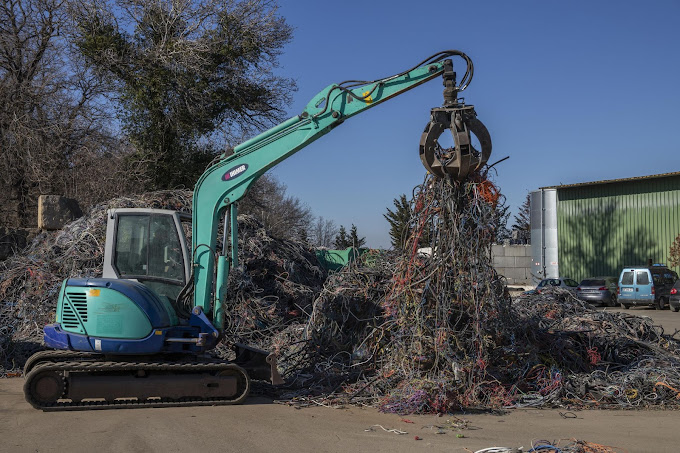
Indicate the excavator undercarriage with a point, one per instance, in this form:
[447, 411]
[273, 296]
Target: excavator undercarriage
[72, 380]
[115, 384]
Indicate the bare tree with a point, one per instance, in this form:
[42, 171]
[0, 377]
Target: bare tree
[283, 215]
[324, 232]
[50, 121]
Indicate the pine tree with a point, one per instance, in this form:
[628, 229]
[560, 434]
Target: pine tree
[354, 239]
[341, 240]
[523, 219]
[399, 221]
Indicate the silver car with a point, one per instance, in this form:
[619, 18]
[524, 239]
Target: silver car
[564, 283]
[598, 290]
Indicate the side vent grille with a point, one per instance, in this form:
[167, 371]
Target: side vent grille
[69, 317]
[79, 301]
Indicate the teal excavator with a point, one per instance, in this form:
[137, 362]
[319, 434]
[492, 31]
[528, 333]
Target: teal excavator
[141, 335]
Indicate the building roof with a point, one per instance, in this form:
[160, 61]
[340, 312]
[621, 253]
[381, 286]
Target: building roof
[612, 181]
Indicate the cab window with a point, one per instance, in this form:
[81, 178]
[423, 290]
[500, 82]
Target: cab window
[165, 250]
[148, 246]
[131, 245]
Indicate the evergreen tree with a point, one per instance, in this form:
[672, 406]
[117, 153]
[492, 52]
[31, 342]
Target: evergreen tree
[502, 232]
[400, 222]
[185, 72]
[523, 220]
[302, 235]
[354, 239]
[341, 240]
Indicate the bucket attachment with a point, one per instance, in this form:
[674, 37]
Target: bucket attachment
[259, 364]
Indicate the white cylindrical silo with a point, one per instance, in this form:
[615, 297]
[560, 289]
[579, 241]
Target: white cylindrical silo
[544, 234]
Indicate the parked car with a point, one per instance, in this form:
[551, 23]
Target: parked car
[598, 290]
[646, 286]
[564, 283]
[674, 300]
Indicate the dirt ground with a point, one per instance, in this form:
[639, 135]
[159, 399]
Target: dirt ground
[263, 426]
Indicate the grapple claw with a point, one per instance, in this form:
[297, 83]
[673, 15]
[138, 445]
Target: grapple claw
[457, 162]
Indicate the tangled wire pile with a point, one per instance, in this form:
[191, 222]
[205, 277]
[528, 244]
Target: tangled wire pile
[565, 353]
[415, 335]
[407, 332]
[561, 446]
[336, 348]
[274, 286]
[439, 333]
[30, 281]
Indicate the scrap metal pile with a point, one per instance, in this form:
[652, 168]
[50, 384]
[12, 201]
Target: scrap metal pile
[437, 333]
[407, 332]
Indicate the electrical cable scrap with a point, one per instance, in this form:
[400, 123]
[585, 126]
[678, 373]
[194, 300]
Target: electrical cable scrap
[404, 331]
[544, 446]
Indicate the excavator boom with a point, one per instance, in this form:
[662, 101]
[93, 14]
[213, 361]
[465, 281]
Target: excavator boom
[222, 185]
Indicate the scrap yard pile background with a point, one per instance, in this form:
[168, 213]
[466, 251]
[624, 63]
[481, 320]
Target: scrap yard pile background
[406, 332]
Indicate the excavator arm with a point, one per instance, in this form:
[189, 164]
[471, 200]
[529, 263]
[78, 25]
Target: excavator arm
[227, 181]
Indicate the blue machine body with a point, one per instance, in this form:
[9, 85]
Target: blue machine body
[81, 331]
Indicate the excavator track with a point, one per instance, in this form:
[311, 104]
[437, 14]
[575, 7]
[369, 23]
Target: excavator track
[92, 384]
[58, 355]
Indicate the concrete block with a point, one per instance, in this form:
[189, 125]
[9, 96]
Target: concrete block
[503, 261]
[504, 272]
[516, 273]
[518, 250]
[523, 261]
[497, 250]
[55, 211]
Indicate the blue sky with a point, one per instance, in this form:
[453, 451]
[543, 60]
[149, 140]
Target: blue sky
[572, 91]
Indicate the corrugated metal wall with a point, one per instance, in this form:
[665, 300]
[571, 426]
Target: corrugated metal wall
[603, 227]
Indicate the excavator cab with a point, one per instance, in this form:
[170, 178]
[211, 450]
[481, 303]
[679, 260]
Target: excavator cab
[149, 246]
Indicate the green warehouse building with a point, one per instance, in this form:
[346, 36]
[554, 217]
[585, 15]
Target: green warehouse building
[596, 228]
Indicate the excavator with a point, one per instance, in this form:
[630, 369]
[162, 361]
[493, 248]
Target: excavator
[142, 334]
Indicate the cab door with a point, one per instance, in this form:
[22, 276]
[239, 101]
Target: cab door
[149, 246]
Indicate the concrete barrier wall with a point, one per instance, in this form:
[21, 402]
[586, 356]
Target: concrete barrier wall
[513, 262]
